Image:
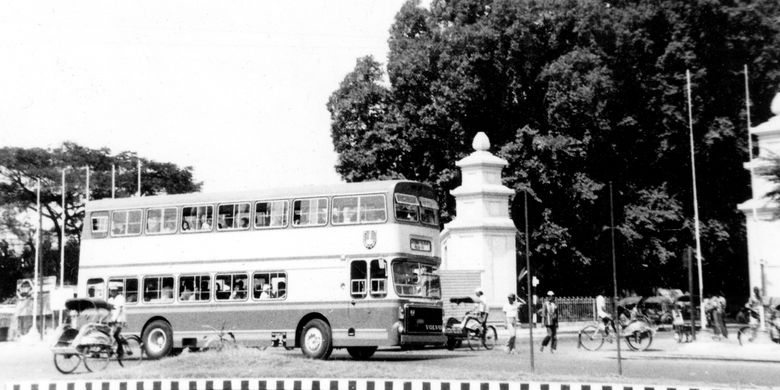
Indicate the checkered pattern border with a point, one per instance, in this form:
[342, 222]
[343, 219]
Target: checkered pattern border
[325, 384]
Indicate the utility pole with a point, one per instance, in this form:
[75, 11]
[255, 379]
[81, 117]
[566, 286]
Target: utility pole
[614, 280]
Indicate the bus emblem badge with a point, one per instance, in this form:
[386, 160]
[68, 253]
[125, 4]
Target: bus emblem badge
[369, 238]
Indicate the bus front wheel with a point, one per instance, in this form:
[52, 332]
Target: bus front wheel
[158, 339]
[316, 342]
[361, 353]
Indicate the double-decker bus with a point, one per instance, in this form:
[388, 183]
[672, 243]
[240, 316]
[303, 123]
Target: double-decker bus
[342, 266]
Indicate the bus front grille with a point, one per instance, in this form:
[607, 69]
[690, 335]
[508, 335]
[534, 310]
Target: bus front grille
[423, 319]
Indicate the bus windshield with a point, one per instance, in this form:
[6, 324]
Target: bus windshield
[414, 279]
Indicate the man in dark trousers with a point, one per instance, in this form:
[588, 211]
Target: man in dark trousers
[550, 320]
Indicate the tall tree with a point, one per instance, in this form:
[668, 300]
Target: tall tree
[21, 167]
[576, 94]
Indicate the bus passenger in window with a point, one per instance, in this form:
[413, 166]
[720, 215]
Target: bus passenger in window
[266, 294]
[153, 224]
[238, 290]
[185, 225]
[187, 294]
[349, 215]
[244, 223]
[204, 223]
[119, 228]
[170, 226]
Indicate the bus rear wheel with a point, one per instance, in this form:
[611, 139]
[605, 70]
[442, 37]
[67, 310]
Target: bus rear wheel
[316, 341]
[158, 339]
[361, 353]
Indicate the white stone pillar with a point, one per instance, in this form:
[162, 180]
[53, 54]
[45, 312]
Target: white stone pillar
[763, 228]
[478, 246]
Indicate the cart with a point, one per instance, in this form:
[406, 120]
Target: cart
[472, 328]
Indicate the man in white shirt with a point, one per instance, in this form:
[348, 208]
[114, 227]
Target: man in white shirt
[118, 316]
[510, 312]
[604, 316]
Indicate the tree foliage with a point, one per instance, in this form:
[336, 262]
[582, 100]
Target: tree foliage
[21, 167]
[576, 94]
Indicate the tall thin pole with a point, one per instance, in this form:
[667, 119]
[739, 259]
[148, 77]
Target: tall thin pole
[37, 256]
[62, 241]
[139, 177]
[695, 199]
[614, 279]
[528, 280]
[87, 190]
[750, 141]
[113, 181]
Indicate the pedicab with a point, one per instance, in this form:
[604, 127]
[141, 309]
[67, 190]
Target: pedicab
[87, 337]
[472, 328]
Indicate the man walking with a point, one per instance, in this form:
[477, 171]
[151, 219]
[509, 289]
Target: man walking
[550, 319]
[510, 312]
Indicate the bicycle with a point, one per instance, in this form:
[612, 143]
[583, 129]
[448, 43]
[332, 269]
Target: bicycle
[477, 334]
[220, 340]
[637, 333]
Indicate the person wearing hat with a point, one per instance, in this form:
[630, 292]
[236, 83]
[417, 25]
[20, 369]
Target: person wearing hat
[479, 312]
[550, 319]
[118, 318]
[510, 312]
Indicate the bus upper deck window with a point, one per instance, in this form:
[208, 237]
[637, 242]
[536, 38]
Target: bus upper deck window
[126, 223]
[197, 218]
[310, 212]
[271, 214]
[233, 216]
[345, 210]
[429, 211]
[372, 208]
[161, 220]
[99, 223]
[406, 207]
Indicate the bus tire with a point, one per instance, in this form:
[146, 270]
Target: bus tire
[361, 353]
[316, 341]
[158, 339]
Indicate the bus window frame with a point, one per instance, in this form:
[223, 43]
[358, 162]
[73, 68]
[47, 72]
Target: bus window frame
[366, 280]
[386, 279]
[124, 287]
[235, 213]
[192, 230]
[177, 222]
[287, 214]
[232, 281]
[194, 275]
[430, 202]
[360, 203]
[142, 289]
[332, 209]
[127, 223]
[327, 209]
[396, 201]
[270, 299]
[103, 214]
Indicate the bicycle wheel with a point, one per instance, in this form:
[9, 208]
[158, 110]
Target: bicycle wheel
[639, 340]
[66, 362]
[473, 331]
[96, 357]
[744, 335]
[490, 337]
[591, 338]
[133, 351]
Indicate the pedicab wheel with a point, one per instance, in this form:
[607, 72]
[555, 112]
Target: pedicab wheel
[316, 341]
[361, 353]
[66, 362]
[639, 341]
[96, 357]
[473, 337]
[490, 337]
[590, 338]
[133, 351]
[452, 343]
[743, 335]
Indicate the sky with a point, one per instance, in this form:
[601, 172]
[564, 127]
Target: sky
[235, 89]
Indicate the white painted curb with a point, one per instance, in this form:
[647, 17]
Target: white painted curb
[327, 384]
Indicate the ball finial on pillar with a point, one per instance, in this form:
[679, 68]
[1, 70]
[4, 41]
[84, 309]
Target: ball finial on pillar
[775, 107]
[481, 142]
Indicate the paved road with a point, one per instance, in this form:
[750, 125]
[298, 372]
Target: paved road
[29, 362]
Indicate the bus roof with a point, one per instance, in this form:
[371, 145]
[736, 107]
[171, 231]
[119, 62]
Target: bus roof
[264, 194]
